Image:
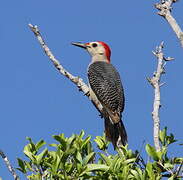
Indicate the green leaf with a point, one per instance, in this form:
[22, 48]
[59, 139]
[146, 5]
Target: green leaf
[88, 158]
[97, 167]
[86, 141]
[101, 142]
[79, 167]
[84, 174]
[152, 152]
[144, 175]
[168, 165]
[178, 160]
[116, 164]
[125, 172]
[55, 165]
[82, 133]
[62, 140]
[29, 154]
[172, 178]
[106, 159]
[41, 156]
[128, 161]
[70, 140]
[162, 136]
[123, 151]
[28, 166]
[40, 144]
[34, 177]
[171, 139]
[54, 145]
[31, 145]
[149, 169]
[130, 154]
[79, 157]
[160, 155]
[135, 174]
[22, 166]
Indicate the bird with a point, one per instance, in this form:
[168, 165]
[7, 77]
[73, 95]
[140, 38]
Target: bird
[105, 84]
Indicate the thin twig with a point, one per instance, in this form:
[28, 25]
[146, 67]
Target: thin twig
[155, 82]
[167, 169]
[179, 169]
[76, 80]
[9, 166]
[165, 8]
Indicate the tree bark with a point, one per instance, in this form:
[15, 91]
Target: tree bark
[155, 82]
[165, 9]
[9, 166]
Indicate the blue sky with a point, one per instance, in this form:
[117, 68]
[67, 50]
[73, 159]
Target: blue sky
[36, 101]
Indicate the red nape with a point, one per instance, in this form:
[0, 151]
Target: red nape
[107, 50]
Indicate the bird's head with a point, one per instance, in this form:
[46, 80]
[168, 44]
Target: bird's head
[98, 50]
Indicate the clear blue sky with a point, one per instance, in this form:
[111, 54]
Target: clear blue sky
[36, 101]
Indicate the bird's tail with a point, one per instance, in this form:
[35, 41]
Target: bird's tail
[115, 132]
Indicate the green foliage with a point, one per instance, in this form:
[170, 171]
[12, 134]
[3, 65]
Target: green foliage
[75, 158]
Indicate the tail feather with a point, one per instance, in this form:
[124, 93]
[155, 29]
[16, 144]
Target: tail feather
[115, 132]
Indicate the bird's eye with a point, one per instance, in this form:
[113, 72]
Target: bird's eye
[94, 45]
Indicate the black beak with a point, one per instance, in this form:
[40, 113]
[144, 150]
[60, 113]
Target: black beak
[79, 45]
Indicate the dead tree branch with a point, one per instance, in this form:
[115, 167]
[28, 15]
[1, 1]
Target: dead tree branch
[76, 80]
[9, 166]
[165, 8]
[155, 82]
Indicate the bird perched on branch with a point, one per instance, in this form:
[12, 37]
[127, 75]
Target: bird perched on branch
[105, 84]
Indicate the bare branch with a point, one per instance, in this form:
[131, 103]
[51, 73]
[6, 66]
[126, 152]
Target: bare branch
[165, 7]
[76, 80]
[9, 166]
[155, 82]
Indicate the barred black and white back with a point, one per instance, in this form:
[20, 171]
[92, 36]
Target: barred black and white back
[106, 83]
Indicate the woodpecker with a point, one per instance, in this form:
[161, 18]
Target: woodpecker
[105, 84]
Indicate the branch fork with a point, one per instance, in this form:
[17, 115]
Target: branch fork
[165, 8]
[155, 82]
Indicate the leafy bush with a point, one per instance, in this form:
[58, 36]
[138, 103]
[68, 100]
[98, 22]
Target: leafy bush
[75, 158]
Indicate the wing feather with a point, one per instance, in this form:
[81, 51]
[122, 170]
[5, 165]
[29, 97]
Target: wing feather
[106, 83]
